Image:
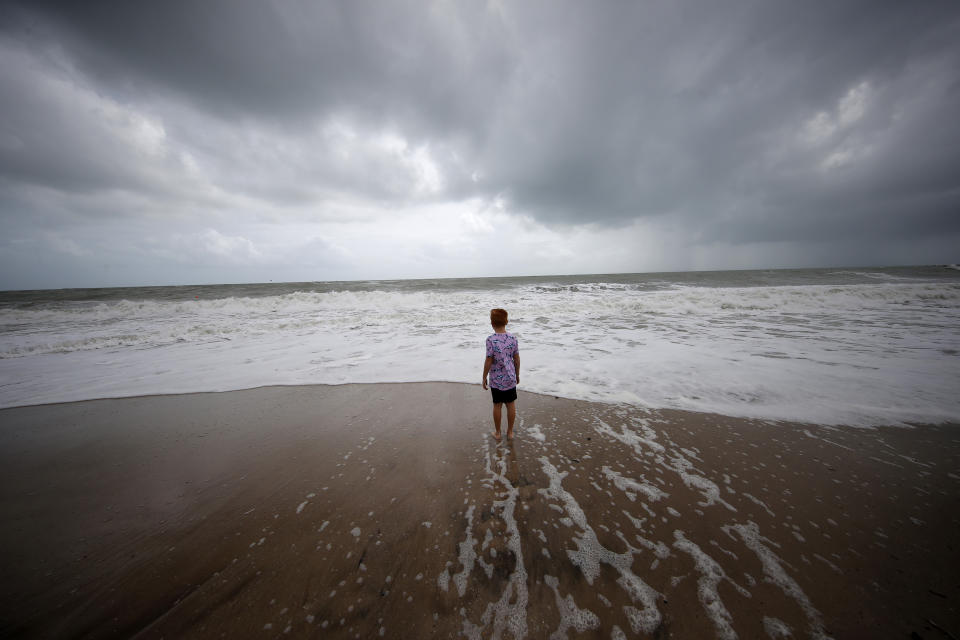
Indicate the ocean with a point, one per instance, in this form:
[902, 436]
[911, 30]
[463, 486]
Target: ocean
[858, 347]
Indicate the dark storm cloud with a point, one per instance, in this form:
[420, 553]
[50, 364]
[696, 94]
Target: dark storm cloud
[696, 112]
[283, 61]
[741, 122]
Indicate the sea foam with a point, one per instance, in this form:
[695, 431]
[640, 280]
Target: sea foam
[858, 354]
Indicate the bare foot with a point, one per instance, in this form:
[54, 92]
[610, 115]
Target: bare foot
[509, 435]
[496, 436]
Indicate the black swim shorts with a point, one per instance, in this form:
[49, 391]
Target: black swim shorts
[503, 396]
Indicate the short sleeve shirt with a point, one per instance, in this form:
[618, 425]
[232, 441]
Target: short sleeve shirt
[502, 347]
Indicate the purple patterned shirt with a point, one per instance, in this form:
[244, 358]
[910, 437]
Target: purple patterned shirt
[502, 347]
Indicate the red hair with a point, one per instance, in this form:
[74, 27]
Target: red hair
[498, 317]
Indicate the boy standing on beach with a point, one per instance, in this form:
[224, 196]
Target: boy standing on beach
[503, 365]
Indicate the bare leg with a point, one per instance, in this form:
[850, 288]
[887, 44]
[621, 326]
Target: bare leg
[496, 419]
[511, 415]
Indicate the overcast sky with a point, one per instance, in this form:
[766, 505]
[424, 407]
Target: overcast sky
[234, 141]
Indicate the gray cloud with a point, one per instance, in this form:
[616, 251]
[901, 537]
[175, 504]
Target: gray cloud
[730, 123]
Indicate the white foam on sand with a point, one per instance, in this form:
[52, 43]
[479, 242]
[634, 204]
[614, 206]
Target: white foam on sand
[750, 535]
[637, 522]
[759, 502]
[834, 567]
[708, 489]
[776, 628]
[659, 549]
[711, 574]
[639, 442]
[571, 616]
[535, 433]
[486, 566]
[467, 555]
[590, 553]
[631, 487]
[509, 613]
[807, 433]
[647, 445]
[443, 580]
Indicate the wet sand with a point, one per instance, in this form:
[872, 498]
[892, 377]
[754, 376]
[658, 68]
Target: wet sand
[363, 511]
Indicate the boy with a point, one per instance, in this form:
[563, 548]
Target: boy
[503, 365]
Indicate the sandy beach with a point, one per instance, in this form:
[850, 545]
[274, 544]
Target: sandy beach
[361, 511]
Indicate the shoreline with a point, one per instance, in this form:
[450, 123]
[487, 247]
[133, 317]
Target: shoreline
[198, 514]
[946, 422]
